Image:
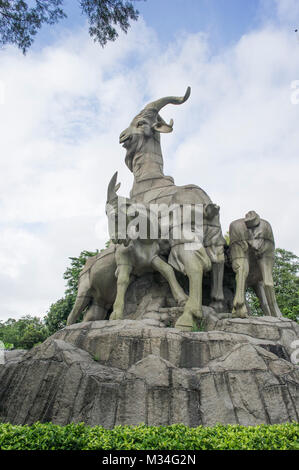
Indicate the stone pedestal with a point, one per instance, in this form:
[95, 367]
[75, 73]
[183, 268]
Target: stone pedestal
[130, 372]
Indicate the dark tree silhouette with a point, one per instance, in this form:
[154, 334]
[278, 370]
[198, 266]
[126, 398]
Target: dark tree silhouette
[20, 22]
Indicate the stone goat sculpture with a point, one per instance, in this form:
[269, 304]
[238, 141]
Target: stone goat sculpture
[135, 256]
[252, 255]
[96, 288]
[144, 159]
[140, 255]
[105, 278]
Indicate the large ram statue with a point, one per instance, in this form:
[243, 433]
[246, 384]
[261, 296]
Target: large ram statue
[144, 159]
[252, 255]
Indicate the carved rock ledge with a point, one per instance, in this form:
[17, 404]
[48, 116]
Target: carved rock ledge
[129, 372]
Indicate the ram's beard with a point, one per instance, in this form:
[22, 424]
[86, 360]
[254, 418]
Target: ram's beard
[129, 160]
[135, 146]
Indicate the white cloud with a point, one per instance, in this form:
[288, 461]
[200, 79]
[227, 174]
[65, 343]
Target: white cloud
[287, 10]
[237, 137]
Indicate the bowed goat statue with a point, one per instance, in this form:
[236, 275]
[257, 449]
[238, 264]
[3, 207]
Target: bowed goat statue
[252, 254]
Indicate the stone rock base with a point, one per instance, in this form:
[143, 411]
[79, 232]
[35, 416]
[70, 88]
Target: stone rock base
[151, 292]
[129, 372]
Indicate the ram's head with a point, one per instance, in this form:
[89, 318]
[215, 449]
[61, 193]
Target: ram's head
[148, 124]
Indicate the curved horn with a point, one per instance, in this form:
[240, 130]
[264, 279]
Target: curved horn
[159, 104]
[112, 188]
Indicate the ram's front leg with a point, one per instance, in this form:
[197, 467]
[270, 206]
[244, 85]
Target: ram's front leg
[217, 295]
[168, 273]
[266, 267]
[123, 281]
[195, 262]
[241, 269]
[193, 307]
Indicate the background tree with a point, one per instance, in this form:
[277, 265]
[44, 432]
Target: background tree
[23, 333]
[57, 315]
[72, 273]
[19, 22]
[29, 331]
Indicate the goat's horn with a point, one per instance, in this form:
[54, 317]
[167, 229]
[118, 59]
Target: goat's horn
[159, 104]
[113, 188]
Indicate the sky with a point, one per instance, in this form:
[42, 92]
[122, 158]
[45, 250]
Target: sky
[63, 106]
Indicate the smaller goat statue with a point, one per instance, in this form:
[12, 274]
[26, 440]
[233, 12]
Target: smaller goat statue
[252, 254]
[134, 255]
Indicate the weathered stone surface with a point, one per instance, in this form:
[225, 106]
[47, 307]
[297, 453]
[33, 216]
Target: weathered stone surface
[281, 331]
[14, 355]
[128, 372]
[151, 295]
[123, 343]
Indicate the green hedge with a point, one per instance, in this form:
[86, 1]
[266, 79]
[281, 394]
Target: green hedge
[176, 437]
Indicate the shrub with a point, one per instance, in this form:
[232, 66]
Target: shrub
[176, 437]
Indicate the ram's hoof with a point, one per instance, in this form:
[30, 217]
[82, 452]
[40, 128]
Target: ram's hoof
[240, 313]
[115, 316]
[184, 323]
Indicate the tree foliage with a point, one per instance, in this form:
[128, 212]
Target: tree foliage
[72, 273]
[23, 333]
[57, 315]
[60, 310]
[104, 15]
[19, 22]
